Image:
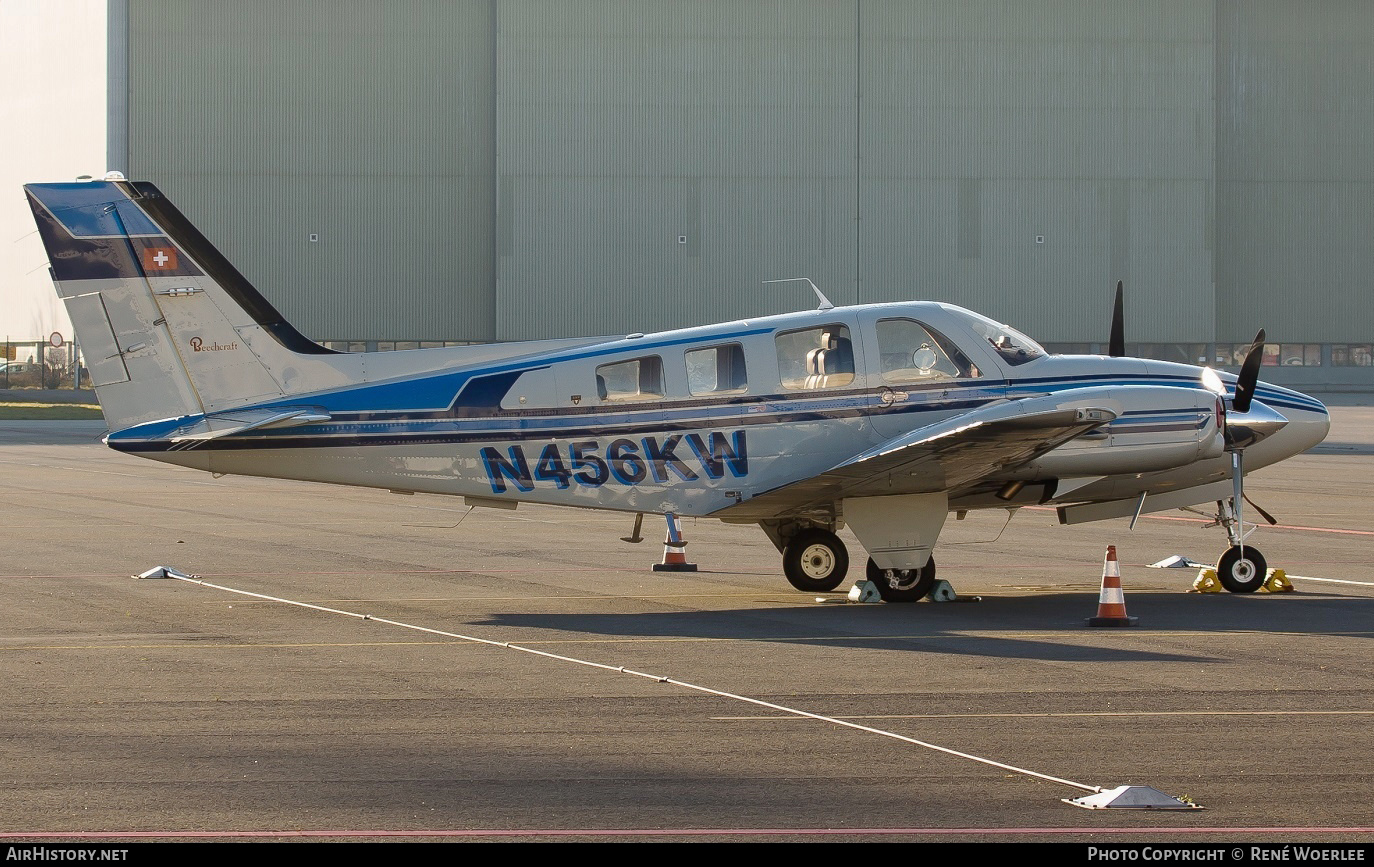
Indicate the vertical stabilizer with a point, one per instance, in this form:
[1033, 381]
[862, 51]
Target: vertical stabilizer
[167, 326]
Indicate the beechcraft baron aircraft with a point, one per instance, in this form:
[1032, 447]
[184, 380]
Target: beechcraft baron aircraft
[882, 417]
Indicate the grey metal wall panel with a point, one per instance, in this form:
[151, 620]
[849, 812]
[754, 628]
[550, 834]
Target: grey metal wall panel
[1083, 121]
[1295, 174]
[367, 124]
[502, 169]
[663, 158]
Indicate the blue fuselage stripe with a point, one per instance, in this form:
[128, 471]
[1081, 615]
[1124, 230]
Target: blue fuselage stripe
[381, 426]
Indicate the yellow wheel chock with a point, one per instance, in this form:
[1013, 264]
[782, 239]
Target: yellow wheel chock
[1275, 581]
[1207, 581]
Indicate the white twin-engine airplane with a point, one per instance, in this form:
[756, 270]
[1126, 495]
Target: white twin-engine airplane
[881, 417]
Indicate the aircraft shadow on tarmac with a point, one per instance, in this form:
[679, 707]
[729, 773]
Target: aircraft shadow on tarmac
[930, 628]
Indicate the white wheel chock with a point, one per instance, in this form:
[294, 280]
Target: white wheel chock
[864, 591]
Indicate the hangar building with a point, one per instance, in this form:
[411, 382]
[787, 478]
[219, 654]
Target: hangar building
[401, 174]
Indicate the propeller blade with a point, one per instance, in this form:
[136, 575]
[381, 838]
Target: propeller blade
[1249, 375]
[1268, 517]
[1116, 347]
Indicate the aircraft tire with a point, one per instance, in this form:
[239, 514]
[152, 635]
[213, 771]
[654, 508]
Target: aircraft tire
[912, 585]
[815, 561]
[1242, 574]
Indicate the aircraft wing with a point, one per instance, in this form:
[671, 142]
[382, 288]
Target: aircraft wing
[944, 456]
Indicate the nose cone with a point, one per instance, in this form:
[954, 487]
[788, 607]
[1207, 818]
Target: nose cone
[1244, 429]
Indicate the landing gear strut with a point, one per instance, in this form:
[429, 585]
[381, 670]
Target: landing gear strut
[815, 560]
[902, 585]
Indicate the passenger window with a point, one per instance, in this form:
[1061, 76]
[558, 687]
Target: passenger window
[636, 379]
[816, 357]
[717, 370]
[912, 352]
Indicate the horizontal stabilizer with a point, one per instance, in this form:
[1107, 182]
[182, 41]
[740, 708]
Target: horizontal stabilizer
[228, 423]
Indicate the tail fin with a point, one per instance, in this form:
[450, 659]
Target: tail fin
[167, 326]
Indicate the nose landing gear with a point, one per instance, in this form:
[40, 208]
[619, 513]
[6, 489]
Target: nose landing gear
[1241, 568]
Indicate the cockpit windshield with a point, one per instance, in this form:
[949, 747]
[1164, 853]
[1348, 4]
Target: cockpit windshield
[1012, 345]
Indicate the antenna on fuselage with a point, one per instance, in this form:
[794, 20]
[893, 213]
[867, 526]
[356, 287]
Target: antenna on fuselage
[825, 302]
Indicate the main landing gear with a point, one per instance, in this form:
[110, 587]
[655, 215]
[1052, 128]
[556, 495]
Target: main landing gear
[815, 560]
[902, 585]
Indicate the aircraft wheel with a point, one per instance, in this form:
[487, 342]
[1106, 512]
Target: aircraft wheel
[902, 585]
[815, 561]
[1242, 574]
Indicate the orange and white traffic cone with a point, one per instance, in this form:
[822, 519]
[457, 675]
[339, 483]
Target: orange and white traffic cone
[1111, 604]
[674, 555]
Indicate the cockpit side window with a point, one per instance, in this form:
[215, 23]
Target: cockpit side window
[816, 357]
[636, 379]
[1012, 345]
[913, 352]
[717, 370]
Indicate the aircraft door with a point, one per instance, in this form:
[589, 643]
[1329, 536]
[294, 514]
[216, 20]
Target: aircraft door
[920, 376]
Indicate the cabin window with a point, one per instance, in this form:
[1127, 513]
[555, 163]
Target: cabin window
[716, 370]
[816, 357]
[912, 352]
[636, 379]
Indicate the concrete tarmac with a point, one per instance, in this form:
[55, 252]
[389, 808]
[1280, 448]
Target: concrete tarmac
[160, 709]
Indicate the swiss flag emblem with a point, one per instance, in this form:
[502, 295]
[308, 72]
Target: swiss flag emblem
[160, 259]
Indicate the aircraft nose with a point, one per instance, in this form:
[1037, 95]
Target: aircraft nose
[1308, 420]
[1318, 426]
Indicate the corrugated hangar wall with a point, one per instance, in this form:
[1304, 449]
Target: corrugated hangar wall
[507, 170]
[1295, 169]
[368, 125]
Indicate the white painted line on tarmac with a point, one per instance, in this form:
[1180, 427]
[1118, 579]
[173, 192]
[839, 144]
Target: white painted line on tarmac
[1143, 713]
[195, 579]
[1331, 580]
